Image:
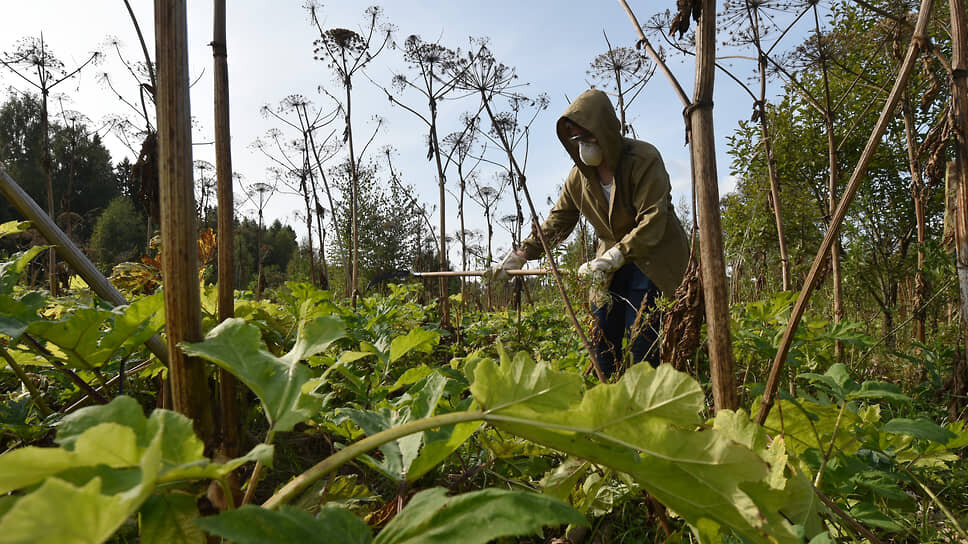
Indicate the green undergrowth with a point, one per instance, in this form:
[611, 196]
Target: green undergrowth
[373, 424]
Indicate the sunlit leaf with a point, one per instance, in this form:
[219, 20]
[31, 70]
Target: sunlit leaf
[645, 425]
[278, 382]
[417, 339]
[11, 269]
[919, 428]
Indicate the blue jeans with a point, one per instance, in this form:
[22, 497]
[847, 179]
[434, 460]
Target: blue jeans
[613, 321]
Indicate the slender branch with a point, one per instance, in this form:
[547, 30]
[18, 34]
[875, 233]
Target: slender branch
[655, 56]
[31, 388]
[333, 462]
[854, 524]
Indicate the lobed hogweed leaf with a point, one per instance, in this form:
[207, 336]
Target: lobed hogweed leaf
[646, 425]
[417, 339]
[278, 381]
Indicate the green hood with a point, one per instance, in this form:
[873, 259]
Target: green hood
[593, 111]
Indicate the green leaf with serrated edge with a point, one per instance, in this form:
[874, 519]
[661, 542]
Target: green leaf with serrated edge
[204, 469]
[254, 525]
[411, 376]
[178, 441]
[237, 347]
[802, 421]
[90, 337]
[11, 270]
[423, 399]
[417, 339]
[344, 492]
[868, 514]
[76, 333]
[560, 481]
[83, 515]
[438, 444]
[643, 425]
[17, 314]
[168, 518]
[350, 356]
[131, 326]
[919, 428]
[13, 227]
[736, 425]
[879, 390]
[398, 455]
[476, 517]
[314, 336]
[110, 444]
[26, 466]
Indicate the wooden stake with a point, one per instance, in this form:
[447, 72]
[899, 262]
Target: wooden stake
[179, 230]
[958, 170]
[228, 402]
[712, 263]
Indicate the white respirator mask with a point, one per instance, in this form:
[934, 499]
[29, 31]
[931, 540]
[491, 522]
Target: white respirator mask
[590, 153]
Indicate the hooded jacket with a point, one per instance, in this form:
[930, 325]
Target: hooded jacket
[640, 218]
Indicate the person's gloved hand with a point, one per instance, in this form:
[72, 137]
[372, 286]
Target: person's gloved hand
[511, 261]
[599, 270]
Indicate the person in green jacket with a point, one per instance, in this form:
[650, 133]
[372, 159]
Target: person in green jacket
[622, 188]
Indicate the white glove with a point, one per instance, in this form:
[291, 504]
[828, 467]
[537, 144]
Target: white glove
[511, 261]
[599, 270]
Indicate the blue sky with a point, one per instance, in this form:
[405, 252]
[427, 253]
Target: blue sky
[550, 43]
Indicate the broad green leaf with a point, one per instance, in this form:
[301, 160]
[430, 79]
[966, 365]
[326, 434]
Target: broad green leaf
[255, 525]
[11, 270]
[167, 518]
[27, 466]
[131, 326]
[870, 515]
[646, 425]
[314, 336]
[438, 445]
[411, 376]
[278, 382]
[417, 339]
[110, 444]
[179, 445]
[60, 512]
[205, 469]
[76, 333]
[90, 337]
[399, 455]
[561, 481]
[919, 428]
[343, 492]
[423, 399]
[879, 390]
[475, 518]
[83, 513]
[17, 314]
[350, 356]
[806, 424]
[122, 410]
[13, 227]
